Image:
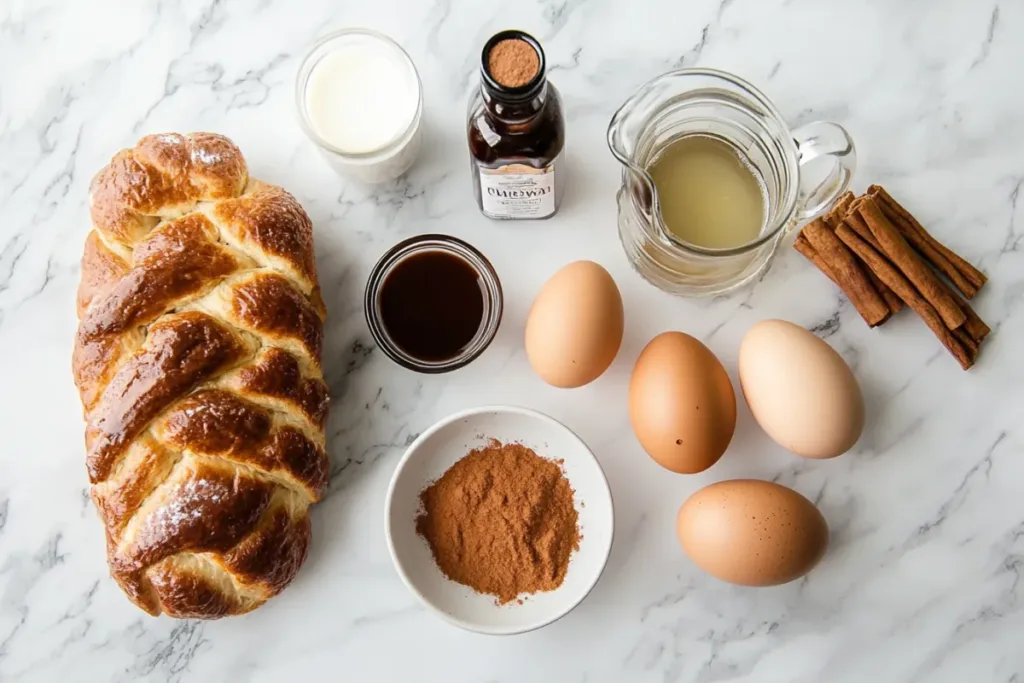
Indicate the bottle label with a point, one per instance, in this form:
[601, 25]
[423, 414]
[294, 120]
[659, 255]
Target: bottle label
[518, 191]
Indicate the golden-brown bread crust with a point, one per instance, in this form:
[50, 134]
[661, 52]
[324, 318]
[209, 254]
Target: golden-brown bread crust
[197, 360]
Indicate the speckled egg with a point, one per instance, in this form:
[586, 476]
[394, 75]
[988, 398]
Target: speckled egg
[681, 403]
[752, 533]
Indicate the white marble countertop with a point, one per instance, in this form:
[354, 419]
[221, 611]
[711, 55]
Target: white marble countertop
[922, 582]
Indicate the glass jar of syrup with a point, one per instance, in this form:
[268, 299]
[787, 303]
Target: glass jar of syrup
[516, 131]
[433, 303]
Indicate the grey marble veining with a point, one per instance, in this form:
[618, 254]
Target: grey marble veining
[922, 582]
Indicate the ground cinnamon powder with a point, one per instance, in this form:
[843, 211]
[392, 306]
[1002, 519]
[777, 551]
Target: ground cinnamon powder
[513, 63]
[501, 520]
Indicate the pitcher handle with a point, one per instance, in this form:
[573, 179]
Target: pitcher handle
[821, 139]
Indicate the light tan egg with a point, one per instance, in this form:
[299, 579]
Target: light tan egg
[752, 533]
[801, 392]
[574, 328]
[681, 403]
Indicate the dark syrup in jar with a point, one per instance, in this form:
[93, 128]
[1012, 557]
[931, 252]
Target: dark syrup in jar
[432, 305]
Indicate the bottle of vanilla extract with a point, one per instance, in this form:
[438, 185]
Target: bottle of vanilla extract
[516, 131]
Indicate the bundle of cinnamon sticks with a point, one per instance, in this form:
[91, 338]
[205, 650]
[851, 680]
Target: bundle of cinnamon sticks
[883, 258]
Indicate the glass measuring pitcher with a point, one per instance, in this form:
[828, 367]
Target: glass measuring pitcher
[719, 105]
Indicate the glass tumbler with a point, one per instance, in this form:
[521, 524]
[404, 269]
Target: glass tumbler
[719, 105]
[377, 165]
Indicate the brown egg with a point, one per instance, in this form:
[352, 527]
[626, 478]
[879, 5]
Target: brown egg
[752, 533]
[681, 403]
[574, 328]
[801, 392]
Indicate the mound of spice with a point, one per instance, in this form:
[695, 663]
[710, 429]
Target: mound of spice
[883, 258]
[501, 520]
[513, 63]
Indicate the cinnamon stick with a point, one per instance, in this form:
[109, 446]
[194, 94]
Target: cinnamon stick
[833, 218]
[804, 247]
[892, 277]
[894, 303]
[930, 254]
[847, 272]
[958, 270]
[854, 221]
[895, 247]
[974, 325]
[970, 343]
[840, 208]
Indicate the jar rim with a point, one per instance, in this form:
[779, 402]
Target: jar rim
[492, 292]
[316, 52]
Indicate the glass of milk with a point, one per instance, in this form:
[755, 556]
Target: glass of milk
[360, 100]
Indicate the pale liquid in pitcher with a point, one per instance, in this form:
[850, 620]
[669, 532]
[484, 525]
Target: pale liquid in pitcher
[709, 194]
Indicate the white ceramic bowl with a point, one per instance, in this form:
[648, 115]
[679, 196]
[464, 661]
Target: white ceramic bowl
[439, 448]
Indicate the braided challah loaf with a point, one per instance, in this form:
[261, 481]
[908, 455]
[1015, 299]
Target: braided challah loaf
[198, 363]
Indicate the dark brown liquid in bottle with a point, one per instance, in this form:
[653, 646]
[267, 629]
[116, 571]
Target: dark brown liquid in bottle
[535, 139]
[432, 305]
[521, 126]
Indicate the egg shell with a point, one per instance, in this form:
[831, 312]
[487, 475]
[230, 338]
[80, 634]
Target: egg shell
[681, 403]
[800, 390]
[574, 328]
[752, 533]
